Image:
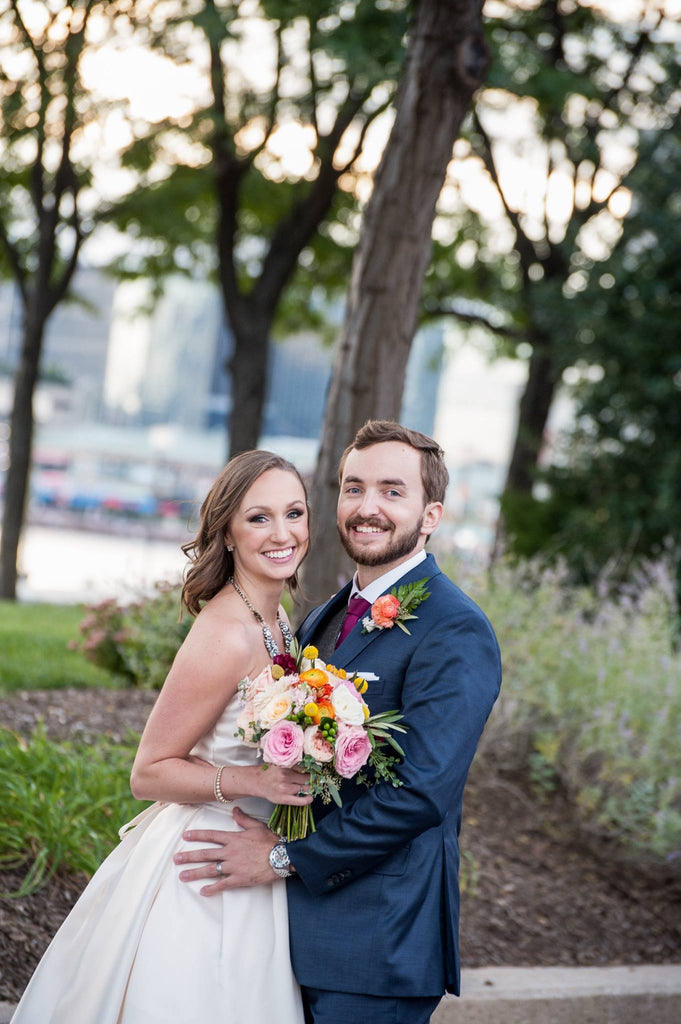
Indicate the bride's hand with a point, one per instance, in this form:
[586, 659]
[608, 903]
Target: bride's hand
[283, 786]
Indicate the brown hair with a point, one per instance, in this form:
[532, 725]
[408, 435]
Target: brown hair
[212, 563]
[434, 475]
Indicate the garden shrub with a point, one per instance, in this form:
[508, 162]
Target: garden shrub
[591, 698]
[137, 641]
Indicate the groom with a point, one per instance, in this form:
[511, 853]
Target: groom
[373, 894]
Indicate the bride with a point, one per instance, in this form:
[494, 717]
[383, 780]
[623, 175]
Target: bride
[140, 947]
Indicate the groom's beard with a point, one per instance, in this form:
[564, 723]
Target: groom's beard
[398, 546]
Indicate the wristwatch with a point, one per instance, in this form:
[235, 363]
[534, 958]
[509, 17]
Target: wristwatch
[279, 861]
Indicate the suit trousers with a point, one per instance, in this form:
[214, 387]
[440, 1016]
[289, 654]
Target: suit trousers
[322, 1007]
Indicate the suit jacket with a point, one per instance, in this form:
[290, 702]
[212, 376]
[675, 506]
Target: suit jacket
[374, 907]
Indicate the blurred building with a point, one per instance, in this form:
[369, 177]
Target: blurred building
[167, 364]
[74, 350]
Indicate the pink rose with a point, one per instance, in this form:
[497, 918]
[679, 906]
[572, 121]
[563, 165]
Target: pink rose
[384, 610]
[316, 746]
[352, 750]
[283, 744]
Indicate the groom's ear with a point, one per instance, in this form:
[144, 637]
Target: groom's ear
[431, 517]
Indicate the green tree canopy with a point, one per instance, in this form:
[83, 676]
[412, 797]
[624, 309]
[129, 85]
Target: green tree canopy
[574, 87]
[259, 183]
[615, 486]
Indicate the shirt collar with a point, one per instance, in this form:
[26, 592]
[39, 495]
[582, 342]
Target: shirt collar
[388, 579]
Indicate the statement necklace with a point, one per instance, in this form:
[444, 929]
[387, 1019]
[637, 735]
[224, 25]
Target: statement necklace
[286, 633]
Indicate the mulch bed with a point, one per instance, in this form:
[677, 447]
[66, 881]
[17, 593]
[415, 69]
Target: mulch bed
[535, 891]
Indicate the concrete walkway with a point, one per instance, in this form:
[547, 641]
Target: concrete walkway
[565, 995]
[551, 995]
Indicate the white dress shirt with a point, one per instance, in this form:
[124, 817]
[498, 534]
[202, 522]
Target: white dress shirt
[388, 579]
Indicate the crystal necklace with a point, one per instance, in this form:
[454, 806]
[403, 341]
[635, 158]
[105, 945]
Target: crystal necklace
[286, 633]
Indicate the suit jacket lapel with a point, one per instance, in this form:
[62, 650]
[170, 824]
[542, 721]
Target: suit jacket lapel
[316, 619]
[356, 642]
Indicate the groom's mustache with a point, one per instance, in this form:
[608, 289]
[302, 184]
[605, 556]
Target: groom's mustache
[381, 524]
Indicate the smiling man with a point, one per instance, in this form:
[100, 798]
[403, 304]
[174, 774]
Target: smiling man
[373, 893]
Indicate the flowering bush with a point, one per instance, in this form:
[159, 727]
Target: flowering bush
[303, 712]
[137, 641]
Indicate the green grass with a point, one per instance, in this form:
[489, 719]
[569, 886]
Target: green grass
[62, 804]
[34, 652]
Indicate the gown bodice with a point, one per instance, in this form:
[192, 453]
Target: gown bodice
[223, 745]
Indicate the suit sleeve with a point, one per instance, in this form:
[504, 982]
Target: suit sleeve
[450, 685]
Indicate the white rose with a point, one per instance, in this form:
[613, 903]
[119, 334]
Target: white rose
[348, 709]
[275, 709]
[268, 693]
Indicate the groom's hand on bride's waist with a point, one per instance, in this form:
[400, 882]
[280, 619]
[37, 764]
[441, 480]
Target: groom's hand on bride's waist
[237, 859]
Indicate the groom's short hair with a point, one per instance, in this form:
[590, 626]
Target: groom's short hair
[434, 475]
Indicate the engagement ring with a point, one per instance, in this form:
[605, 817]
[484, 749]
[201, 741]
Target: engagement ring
[218, 868]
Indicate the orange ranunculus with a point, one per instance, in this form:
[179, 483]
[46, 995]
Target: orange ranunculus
[324, 710]
[314, 677]
[384, 610]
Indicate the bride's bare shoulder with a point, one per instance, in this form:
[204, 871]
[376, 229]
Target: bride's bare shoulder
[220, 624]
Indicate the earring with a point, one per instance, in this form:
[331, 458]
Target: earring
[230, 548]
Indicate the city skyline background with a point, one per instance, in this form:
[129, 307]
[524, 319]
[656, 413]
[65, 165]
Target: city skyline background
[131, 413]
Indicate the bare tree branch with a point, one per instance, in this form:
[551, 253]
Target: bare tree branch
[274, 102]
[30, 42]
[228, 169]
[525, 246]
[370, 118]
[431, 312]
[295, 230]
[314, 87]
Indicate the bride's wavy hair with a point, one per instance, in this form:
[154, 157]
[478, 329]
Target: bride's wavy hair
[212, 564]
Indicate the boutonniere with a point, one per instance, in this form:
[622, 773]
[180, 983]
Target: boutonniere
[396, 608]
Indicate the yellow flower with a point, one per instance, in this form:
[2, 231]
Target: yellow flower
[311, 709]
[366, 710]
[361, 684]
[333, 669]
[310, 652]
[277, 672]
[341, 673]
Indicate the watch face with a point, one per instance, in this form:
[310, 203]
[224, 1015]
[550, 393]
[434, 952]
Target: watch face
[279, 856]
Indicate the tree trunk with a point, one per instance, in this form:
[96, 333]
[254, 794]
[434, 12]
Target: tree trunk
[20, 445]
[533, 412]
[446, 62]
[248, 379]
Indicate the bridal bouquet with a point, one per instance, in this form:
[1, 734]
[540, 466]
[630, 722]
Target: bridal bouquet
[303, 713]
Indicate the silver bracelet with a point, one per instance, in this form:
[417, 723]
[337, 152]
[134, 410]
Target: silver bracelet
[219, 795]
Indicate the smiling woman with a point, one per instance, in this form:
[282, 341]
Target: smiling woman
[177, 957]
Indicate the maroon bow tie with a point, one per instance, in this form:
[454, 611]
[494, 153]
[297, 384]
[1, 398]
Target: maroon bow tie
[357, 607]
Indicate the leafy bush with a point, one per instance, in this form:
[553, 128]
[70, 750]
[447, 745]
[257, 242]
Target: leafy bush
[137, 641]
[62, 804]
[34, 649]
[591, 698]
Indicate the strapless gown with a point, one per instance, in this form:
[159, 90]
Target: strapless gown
[141, 947]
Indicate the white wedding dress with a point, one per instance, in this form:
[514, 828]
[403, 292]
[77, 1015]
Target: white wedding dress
[141, 947]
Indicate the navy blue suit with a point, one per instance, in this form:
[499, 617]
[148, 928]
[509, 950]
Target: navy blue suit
[374, 907]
